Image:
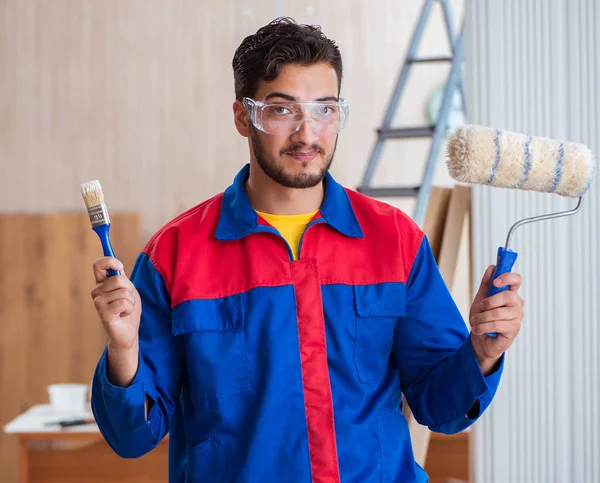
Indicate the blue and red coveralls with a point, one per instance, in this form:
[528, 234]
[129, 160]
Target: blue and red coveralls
[265, 369]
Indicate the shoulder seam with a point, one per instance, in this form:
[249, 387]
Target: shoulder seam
[150, 248]
[186, 214]
[160, 272]
[415, 251]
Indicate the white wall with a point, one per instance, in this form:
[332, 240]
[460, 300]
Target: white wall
[532, 67]
[138, 94]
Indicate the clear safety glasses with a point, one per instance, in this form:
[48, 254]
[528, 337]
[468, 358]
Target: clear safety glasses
[286, 118]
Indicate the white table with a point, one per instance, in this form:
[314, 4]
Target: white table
[39, 419]
[51, 453]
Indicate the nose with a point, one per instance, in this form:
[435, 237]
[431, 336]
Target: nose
[305, 134]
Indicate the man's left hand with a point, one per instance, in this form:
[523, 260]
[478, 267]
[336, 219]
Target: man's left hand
[501, 313]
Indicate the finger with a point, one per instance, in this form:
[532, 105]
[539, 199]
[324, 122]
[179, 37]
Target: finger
[501, 299]
[108, 298]
[117, 282]
[123, 307]
[110, 284]
[114, 310]
[485, 281]
[102, 265]
[513, 280]
[497, 314]
[507, 328]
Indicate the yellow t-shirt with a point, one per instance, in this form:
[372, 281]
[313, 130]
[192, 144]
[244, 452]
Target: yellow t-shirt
[291, 227]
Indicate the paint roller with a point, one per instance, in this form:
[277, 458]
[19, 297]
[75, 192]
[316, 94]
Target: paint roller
[491, 157]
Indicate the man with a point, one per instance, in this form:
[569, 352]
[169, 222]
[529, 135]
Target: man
[272, 330]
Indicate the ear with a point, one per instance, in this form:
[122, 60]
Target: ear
[240, 118]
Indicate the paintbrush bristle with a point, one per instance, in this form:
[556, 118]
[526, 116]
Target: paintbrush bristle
[92, 193]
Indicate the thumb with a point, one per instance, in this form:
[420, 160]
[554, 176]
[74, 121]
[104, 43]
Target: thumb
[485, 283]
[102, 265]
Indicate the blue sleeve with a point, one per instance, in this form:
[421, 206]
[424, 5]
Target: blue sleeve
[439, 373]
[119, 411]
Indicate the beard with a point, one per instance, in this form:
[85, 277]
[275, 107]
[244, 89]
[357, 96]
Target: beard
[278, 174]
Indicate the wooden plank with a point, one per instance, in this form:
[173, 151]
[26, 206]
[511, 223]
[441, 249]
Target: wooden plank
[23, 462]
[49, 330]
[458, 215]
[448, 457]
[97, 463]
[435, 217]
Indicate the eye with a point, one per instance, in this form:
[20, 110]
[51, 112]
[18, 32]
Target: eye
[281, 110]
[326, 110]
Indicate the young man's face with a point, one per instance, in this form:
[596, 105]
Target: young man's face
[300, 159]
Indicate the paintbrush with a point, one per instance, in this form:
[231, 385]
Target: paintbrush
[93, 198]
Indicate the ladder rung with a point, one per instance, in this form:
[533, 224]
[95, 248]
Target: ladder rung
[389, 192]
[429, 59]
[407, 132]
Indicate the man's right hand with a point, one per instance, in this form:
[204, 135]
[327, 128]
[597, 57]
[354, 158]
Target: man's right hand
[119, 307]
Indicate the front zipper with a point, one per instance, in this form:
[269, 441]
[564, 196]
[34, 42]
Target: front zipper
[268, 229]
[311, 223]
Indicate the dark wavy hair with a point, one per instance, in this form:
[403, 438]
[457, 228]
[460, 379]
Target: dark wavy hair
[262, 55]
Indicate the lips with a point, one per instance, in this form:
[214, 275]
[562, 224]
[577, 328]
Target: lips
[304, 155]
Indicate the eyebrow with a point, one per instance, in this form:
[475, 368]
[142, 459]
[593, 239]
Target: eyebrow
[287, 97]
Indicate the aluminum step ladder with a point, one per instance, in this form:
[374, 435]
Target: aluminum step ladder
[436, 132]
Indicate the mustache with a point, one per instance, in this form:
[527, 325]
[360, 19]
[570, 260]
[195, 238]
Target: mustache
[299, 147]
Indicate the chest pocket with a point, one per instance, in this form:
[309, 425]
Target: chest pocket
[216, 346]
[378, 308]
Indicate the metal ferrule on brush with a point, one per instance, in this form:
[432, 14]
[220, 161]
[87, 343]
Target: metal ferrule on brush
[98, 215]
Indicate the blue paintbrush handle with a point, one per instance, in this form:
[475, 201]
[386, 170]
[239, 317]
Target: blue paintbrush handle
[102, 231]
[506, 260]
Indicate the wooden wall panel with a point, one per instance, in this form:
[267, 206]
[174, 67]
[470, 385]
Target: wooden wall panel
[49, 330]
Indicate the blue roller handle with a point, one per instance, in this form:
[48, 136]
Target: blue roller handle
[506, 260]
[102, 232]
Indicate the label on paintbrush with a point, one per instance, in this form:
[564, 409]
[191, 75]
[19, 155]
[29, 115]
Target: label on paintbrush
[98, 215]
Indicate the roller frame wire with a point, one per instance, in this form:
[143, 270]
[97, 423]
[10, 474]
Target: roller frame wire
[541, 218]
